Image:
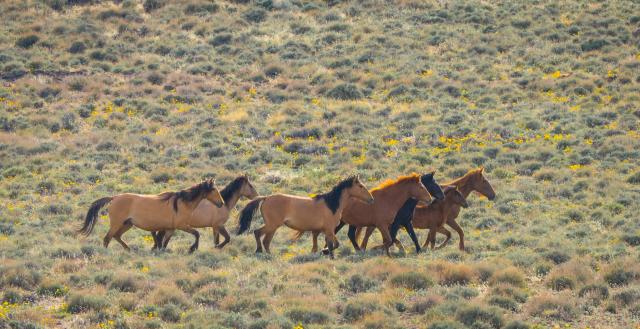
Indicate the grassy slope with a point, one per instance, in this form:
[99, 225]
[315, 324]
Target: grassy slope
[111, 98]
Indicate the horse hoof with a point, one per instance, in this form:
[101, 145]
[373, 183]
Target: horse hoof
[325, 251]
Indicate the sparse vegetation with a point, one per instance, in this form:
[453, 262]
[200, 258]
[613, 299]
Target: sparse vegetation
[145, 96]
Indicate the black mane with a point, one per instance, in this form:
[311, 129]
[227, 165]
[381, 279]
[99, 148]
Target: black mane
[188, 195]
[332, 198]
[228, 191]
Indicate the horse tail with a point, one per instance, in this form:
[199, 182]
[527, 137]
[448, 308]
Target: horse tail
[297, 235]
[246, 214]
[92, 215]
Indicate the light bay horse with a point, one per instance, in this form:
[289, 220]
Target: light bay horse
[390, 196]
[165, 211]
[473, 180]
[321, 213]
[208, 215]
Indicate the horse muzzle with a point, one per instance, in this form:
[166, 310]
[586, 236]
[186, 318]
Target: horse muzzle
[370, 201]
[219, 204]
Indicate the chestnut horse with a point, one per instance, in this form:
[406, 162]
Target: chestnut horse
[390, 196]
[428, 180]
[165, 211]
[474, 180]
[207, 215]
[320, 213]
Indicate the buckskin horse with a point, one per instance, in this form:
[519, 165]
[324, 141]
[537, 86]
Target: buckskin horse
[321, 213]
[165, 211]
[208, 215]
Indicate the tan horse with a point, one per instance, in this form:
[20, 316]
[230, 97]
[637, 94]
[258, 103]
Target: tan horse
[390, 196]
[208, 215]
[320, 213]
[474, 180]
[165, 211]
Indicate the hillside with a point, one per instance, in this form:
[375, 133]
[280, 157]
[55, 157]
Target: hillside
[104, 97]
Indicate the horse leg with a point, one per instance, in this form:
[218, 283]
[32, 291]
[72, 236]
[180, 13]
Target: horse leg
[352, 237]
[386, 238]
[165, 237]
[431, 239]
[331, 239]
[196, 235]
[216, 237]
[226, 236]
[155, 239]
[118, 236]
[267, 240]
[315, 234]
[107, 238]
[445, 232]
[458, 229]
[412, 234]
[367, 235]
[257, 234]
[393, 232]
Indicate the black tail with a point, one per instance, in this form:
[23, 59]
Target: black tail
[246, 214]
[92, 215]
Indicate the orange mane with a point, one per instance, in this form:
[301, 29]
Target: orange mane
[401, 179]
[464, 178]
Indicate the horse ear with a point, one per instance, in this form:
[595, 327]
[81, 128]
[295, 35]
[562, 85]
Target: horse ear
[481, 169]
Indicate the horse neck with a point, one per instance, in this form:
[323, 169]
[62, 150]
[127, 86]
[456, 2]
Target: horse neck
[191, 205]
[345, 199]
[233, 199]
[395, 195]
[464, 185]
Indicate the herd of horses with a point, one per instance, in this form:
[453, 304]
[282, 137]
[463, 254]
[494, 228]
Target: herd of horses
[387, 207]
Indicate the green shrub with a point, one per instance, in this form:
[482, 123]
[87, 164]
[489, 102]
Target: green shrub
[627, 297]
[356, 310]
[504, 302]
[151, 5]
[299, 315]
[170, 313]
[11, 296]
[81, 303]
[124, 284]
[411, 281]
[20, 276]
[473, 314]
[552, 307]
[27, 41]
[634, 178]
[345, 91]
[52, 289]
[557, 256]
[255, 15]
[77, 47]
[559, 283]
[358, 283]
[618, 276]
[593, 44]
[596, 292]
